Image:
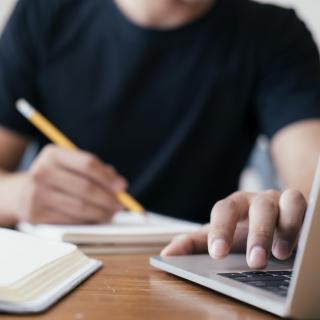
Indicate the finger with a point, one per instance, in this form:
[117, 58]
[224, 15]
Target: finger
[38, 211]
[195, 242]
[263, 214]
[224, 219]
[292, 205]
[83, 188]
[51, 216]
[240, 237]
[88, 165]
[77, 208]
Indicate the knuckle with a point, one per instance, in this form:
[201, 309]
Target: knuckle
[225, 205]
[274, 194]
[84, 208]
[295, 197]
[37, 173]
[90, 162]
[124, 183]
[220, 231]
[266, 201]
[81, 206]
[111, 169]
[86, 187]
[261, 233]
[180, 238]
[238, 194]
[39, 166]
[48, 151]
[111, 173]
[218, 228]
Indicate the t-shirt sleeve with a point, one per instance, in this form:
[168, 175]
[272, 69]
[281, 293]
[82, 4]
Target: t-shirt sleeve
[288, 88]
[19, 53]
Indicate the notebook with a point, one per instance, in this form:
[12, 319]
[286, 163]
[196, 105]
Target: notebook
[35, 273]
[127, 233]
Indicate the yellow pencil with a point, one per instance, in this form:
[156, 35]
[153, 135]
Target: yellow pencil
[57, 137]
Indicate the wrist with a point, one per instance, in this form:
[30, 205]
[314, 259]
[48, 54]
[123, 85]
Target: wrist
[11, 188]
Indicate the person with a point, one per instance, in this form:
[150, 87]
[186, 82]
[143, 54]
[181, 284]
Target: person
[165, 99]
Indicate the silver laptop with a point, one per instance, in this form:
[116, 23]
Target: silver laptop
[287, 289]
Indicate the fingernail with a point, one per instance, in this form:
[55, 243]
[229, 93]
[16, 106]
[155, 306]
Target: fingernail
[219, 248]
[258, 257]
[282, 249]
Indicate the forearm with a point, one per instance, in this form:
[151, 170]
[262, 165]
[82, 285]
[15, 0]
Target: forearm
[12, 146]
[295, 151]
[10, 191]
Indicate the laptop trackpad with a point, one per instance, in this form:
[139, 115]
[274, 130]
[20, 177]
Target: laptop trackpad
[204, 265]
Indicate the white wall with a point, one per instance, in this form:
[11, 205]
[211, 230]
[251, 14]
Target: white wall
[5, 8]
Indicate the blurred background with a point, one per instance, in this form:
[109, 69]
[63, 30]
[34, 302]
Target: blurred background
[5, 9]
[260, 173]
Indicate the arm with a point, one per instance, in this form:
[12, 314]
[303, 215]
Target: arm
[286, 100]
[60, 186]
[12, 147]
[295, 151]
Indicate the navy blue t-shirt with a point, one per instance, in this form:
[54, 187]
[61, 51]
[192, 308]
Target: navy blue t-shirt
[175, 111]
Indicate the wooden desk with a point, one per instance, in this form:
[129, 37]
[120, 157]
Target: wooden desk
[128, 288]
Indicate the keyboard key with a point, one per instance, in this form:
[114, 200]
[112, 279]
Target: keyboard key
[254, 273]
[278, 291]
[280, 273]
[233, 275]
[262, 278]
[273, 281]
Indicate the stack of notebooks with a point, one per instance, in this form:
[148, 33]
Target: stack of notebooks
[127, 233]
[35, 273]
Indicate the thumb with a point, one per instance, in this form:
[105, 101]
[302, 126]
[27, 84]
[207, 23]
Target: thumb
[184, 244]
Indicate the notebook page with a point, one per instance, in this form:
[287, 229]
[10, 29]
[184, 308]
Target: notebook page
[123, 223]
[22, 254]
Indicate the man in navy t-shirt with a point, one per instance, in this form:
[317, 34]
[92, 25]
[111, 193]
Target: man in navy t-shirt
[170, 95]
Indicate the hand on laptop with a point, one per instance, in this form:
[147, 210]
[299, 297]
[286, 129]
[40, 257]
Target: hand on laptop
[255, 223]
[68, 187]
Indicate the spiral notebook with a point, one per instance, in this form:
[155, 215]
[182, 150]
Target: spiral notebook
[127, 233]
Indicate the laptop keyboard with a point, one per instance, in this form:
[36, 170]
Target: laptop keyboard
[274, 281]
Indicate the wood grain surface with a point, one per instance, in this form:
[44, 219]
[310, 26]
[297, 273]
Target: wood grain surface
[128, 288]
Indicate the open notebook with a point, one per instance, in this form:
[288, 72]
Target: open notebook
[127, 233]
[34, 273]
